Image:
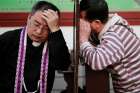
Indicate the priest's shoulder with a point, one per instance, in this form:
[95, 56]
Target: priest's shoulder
[10, 35]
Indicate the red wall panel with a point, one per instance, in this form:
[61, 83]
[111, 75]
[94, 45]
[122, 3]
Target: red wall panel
[19, 19]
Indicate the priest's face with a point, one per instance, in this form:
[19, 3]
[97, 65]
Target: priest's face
[37, 28]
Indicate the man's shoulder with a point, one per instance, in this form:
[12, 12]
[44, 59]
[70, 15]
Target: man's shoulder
[10, 35]
[11, 32]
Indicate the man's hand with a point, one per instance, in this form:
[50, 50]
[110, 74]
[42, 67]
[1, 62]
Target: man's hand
[85, 31]
[52, 19]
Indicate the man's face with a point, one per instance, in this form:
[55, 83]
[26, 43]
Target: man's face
[82, 14]
[37, 28]
[93, 24]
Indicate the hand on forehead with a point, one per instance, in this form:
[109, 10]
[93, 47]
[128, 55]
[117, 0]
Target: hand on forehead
[50, 13]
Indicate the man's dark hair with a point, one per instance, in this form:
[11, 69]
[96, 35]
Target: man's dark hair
[83, 5]
[44, 5]
[95, 10]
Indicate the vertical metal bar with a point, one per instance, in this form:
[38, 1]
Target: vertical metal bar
[76, 44]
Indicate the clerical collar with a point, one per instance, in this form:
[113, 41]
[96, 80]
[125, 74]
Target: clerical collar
[36, 44]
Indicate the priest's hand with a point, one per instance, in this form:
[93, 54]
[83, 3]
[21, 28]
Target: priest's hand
[52, 19]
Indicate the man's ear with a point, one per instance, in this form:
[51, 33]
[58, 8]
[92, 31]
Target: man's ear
[98, 21]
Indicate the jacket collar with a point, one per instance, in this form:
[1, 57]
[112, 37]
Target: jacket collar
[114, 18]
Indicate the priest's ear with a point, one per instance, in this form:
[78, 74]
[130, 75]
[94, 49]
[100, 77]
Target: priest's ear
[28, 19]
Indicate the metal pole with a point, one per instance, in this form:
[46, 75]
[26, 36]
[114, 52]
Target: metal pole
[76, 44]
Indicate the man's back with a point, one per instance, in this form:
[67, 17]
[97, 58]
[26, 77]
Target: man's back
[126, 73]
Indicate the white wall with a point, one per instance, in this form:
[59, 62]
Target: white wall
[137, 30]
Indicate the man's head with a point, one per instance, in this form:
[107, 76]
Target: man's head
[43, 5]
[96, 13]
[37, 27]
[83, 7]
